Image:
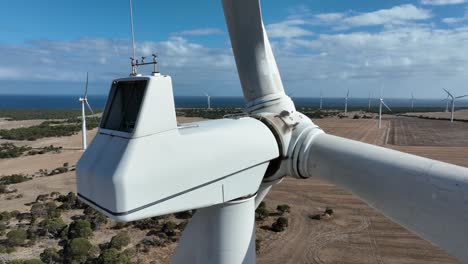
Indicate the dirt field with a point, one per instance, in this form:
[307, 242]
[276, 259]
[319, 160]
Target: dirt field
[460, 114]
[355, 233]
[407, 131]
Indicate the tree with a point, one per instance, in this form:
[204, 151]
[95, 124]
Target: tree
[78, 250]
[16, 237]
[80, 228]
[120, 241]
[280, 224]
[51, 256]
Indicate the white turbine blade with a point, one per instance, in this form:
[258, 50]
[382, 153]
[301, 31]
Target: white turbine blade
[347, 94]
[463, 96]
[256, 64]
[448, 93]
[86, 89]
[426, 196]
[206, 94]
[386, 106]
[89, 107]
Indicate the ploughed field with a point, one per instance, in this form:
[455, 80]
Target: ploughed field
[354, 233]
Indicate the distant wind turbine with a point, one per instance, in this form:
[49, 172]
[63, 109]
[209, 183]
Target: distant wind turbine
[346, 103]
[454, 98]
[84, 100]
[382, 103]
[321, 99]
[412, 102]
[208, 99]
[370, 99]
[447, 100]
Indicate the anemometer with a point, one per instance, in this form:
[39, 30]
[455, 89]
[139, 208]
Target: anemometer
[142, 163]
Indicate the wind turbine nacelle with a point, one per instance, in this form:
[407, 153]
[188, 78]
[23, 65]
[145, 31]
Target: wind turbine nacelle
[142, 164]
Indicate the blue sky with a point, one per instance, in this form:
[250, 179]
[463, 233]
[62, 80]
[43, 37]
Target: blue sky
[332, 45]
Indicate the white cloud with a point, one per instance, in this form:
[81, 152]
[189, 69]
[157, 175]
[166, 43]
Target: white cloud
[455, 20]
[395, 15]
[442, 2]
[200, 32]
[288, 29]
[402, 53]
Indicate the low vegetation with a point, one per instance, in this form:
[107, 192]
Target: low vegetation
[214, 113]
[48, 129]
[48, 217]
[32, 114]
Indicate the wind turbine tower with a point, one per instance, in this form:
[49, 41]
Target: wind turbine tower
[370, 98]
[346, 103]
[208, 100]
[412, 102]
[454, 98]
[382, 103]
[321, 99]
[84, 101]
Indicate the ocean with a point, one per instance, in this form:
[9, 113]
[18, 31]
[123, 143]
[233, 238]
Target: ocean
[99, 101]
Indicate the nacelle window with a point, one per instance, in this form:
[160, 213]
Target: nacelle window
[124, 106]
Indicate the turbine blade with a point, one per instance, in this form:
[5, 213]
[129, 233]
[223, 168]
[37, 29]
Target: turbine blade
[347, 94]
[86, 89]
[463, 96]
[89, 107]
[386, 106]
[423, 195]
[256, 64]
[448, 93]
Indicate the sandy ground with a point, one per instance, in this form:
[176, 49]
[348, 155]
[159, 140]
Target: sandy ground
[460, 114]
[5, 124]
[356, 233]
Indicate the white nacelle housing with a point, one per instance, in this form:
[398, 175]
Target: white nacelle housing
[142, 164]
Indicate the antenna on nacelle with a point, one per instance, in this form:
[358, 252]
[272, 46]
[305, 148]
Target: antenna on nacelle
[134, 66]
[133, 61]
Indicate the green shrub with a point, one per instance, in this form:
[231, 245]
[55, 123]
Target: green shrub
[280, 224]
[169, 228]
[283, 208]
[5, 216]
[29, 261]
[3, 188]
[77, 250]
[13, 179]
[52, 227]
[16, 237]
[112, 256]
[51, 256]
[3, 249]
[261, 213]
[119, 241]
[38, 210]
[80, 228]
[3, 228]
[9, 150]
